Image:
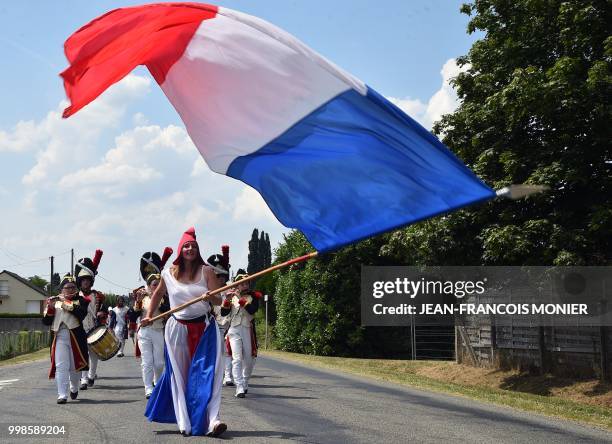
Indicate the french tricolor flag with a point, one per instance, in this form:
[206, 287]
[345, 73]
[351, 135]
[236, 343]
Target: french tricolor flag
[329, 155]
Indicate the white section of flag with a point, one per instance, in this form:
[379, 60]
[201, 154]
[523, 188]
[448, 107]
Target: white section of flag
[242, 82]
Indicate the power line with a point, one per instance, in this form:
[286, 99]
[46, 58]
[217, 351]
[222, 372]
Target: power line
[14, 256]
[26, 262]
[114, 283]
[30, 262]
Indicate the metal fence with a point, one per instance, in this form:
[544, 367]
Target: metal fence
[432, 342]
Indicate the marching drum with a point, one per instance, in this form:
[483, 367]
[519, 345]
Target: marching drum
[103, 343]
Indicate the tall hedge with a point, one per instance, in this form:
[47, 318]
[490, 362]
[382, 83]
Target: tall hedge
[318, 303]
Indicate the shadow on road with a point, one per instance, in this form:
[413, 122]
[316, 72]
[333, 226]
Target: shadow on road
[106, 401]
[230, 434]
[272, 434]
[272, 386]
[261, 395]
[119, 387]
[100, 378]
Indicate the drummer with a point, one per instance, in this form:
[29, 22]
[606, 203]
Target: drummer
[69, 355]
[85, 271]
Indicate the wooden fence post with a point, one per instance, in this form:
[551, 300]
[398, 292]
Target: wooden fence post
[603, 353]
[542, 350]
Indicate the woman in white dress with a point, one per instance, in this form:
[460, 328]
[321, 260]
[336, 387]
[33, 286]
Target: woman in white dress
[189, 391]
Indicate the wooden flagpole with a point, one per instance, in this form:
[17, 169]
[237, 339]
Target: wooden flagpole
[234, 284]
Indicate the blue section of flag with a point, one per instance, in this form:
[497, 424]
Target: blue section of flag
[160, 407]
[356, 167]
[201, 379]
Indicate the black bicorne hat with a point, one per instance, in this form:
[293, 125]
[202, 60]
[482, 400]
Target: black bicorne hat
[217, 262]
[86, 267]
[151, 263]
[240, 275]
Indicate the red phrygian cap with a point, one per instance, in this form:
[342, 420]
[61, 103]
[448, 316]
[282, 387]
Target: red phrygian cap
[188, 236]
[167, 253]
[96, 259]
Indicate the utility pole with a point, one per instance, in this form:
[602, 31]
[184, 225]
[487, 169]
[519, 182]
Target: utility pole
[72, 261]
[51, 280]
[413, 337]
[266, 300]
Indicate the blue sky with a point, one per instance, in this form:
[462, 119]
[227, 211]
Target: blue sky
[143, 200]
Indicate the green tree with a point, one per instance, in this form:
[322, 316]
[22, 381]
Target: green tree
[260, 253]
[534, 109]
[268, 252]
[254, 258]
[318, 303]
[38, 282]
[264, 251]
[110, 299]
[55, 283]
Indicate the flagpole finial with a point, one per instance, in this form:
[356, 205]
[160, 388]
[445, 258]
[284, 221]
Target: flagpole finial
[515, 192]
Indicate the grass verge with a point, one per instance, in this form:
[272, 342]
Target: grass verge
[441, 377]
[28, 357]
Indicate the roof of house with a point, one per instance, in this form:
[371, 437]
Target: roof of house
[24, 281]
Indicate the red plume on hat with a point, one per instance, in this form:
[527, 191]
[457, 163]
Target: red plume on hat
[167, 253]
[96, 259]
[188, 236]
[225, 253]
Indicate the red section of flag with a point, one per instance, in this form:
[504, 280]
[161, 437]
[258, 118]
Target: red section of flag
[194, 333]
[110, 47]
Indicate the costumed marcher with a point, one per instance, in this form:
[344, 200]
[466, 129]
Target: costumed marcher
[119, 323]
[240, 305]
[151, 337]
[189, 391]
[221, 266]
[69, 355]
[85, 271]
[133, 317]
[132, 327]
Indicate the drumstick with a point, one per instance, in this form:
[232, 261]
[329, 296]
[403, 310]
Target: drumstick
[235, 284]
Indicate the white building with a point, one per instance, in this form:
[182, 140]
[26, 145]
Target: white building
[18, 295]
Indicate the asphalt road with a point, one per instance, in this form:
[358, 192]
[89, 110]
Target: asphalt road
[286, 402]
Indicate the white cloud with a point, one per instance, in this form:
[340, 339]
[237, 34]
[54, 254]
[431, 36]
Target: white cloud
[141, 155]
[412, 107]
[139, 119]
[249, 206]
[442, 102]
[22, 138]
[199, 167]
[65, 143]
[29, 202]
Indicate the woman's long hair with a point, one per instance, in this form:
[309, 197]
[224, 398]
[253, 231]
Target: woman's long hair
[179, 270]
